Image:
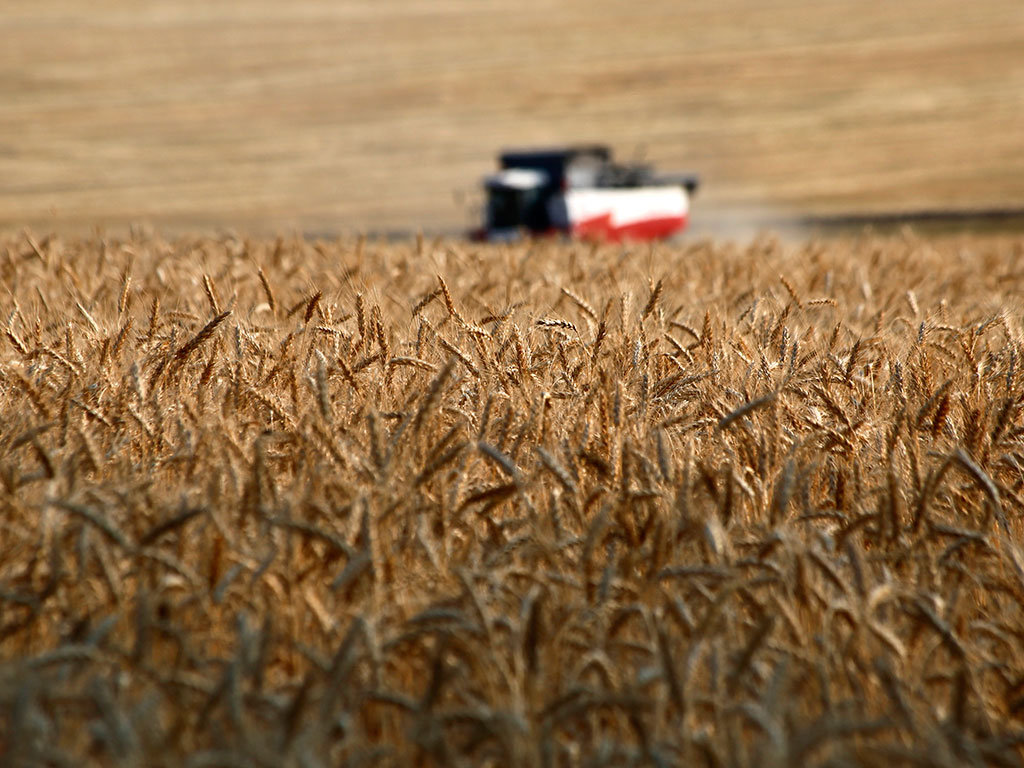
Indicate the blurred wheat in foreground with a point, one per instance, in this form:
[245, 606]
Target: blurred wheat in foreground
[347, 503]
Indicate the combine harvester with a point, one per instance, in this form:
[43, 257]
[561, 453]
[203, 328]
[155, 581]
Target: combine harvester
[580, 192]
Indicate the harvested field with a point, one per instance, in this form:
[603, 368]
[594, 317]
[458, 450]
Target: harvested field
[373, 114]
[291, 503]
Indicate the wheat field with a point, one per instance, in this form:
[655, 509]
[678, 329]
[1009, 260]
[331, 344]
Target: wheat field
[293, 503]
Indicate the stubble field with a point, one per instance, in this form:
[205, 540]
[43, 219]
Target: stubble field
[372, 115]
[343, 502]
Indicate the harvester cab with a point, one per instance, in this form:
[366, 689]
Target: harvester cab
[517, 198]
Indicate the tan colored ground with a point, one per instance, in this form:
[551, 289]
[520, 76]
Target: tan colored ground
[366, 113]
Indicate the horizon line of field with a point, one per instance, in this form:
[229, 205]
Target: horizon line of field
[724, 224]
[1008, 219]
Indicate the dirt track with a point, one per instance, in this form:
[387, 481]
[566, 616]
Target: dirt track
[373, 114]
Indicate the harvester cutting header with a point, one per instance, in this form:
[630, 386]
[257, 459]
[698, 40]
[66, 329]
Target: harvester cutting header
[581, 192]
